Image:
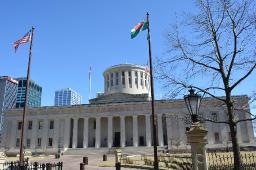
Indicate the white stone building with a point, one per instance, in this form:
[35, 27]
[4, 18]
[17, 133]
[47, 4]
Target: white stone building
[119, 117]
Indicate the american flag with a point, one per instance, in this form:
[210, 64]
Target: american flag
[146, 68]
[23, 40]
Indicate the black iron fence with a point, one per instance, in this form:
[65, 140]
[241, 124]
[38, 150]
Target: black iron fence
[32, 166]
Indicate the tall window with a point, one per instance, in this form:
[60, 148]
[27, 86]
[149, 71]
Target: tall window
[94, 124]
[28, 143]
[111, 79]
[50, 142]
[39, 140]
[217, 137]
[123, 78]
[214, 117]
[141, 79]
[30, 125]
[40, 124]
[130, 79]
[19, 125]
[136, 79]
[51, 124]
[117, 78]
[17, 142]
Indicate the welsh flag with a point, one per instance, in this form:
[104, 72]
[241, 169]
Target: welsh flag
[141, 26]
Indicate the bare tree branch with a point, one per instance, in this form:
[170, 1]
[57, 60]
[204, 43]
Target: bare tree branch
[244, 120]
[244, 77]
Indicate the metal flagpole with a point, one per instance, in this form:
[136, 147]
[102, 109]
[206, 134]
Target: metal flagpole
[26, 100]
[90, 82]
[153, 97]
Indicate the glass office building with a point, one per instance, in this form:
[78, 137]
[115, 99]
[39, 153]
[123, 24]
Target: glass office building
[67, 97]
[35, 93]
[8, 92]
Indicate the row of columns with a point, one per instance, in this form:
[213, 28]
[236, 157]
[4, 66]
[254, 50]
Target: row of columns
[141, 76]
[110, 132]
[55, 133]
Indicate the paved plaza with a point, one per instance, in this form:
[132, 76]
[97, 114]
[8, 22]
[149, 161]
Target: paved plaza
[73, 162]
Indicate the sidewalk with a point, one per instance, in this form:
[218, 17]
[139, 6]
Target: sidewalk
[73, 162]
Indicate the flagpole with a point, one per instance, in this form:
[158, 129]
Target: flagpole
[26, 100]
[90, 82]
[153, 97]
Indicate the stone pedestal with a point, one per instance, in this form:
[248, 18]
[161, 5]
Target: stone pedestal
[197, 138]
[118, 154]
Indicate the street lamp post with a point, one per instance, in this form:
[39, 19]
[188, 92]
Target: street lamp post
[196, 134]
[193, 102]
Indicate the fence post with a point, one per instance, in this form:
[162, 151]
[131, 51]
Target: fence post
[82, 166]
[118, 166]
[11, 165]
[48, 166]
[104, 157]
[85, 160]
[43, 166]
[35, 165]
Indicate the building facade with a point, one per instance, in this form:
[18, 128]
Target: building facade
[67, 97]
[120, 117]
[8, 93]
[34, 94]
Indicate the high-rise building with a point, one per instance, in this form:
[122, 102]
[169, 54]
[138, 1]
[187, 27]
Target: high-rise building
[8, 92]
[34, 94]
[67, 97]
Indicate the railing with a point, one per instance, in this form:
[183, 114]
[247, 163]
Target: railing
[32, 166]
[223, 161]
[165, 161]
[216, 161]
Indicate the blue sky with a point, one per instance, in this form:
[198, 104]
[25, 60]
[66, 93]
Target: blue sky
[71, 36]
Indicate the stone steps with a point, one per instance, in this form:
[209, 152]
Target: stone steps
[86, 151]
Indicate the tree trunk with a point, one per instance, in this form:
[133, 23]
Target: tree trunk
[235, 147]
[233, 133]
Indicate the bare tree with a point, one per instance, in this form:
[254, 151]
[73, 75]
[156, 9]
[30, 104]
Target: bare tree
[213, 51]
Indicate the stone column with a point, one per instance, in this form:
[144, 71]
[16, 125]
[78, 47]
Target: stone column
[34, 134]
[110, 131]
[239, 133]
[249, 127]
[210, 137]
[14, 129]
[56, 134]
[148, 130]
[85, 145]
[182, 131]
[126, 79]
[133, 79]
[74, 143]
[122, 129]
[45, 134]
[169, 131]
[97, 134]
[160, 130]
[135, 130]
[139, 79]
[67, 132]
